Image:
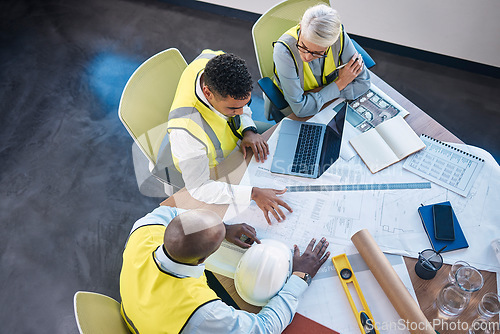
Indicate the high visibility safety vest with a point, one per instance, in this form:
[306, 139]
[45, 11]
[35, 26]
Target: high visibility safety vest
[331, 61]
[189, 113]
[154, 301]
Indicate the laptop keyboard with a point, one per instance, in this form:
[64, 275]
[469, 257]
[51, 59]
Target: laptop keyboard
[307, 149]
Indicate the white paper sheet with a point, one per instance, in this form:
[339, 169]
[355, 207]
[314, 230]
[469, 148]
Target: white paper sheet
[445, 165]
[335, 311]
[390, 215]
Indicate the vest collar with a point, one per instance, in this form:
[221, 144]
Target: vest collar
[175, 268]
[202, 98]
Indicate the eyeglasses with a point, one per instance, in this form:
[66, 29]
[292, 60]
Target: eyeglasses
[303, 49]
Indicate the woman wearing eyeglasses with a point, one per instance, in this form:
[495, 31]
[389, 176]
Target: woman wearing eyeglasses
[316, 62]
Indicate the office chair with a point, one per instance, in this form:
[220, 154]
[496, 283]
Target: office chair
[144, 107]
[267, 30]
[98, 314]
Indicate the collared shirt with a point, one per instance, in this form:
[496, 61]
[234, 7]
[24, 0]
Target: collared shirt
[217, 317]
[309, 104]
[194, 163]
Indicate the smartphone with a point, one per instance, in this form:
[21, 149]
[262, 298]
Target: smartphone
[443, 222]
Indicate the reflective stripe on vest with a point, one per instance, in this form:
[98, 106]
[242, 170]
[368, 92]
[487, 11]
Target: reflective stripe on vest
[191, 114]
[307, 79]
[153, 300]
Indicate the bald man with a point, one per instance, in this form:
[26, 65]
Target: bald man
[163, 285]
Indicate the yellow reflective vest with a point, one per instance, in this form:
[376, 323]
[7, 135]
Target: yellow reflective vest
[153, 301]
[189, 113]
[331, 61]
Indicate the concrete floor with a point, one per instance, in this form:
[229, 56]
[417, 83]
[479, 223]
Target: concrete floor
[68, 191]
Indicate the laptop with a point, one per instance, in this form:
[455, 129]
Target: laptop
[309, 149]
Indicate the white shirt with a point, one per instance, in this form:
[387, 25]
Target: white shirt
[194, 163]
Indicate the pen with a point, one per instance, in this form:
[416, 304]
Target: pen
[338, 68]
[437, 253]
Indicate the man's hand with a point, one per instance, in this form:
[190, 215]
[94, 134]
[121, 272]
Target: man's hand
[256, 143]
[312, 259]
[242, 235]
[268, 201]
[350, 71]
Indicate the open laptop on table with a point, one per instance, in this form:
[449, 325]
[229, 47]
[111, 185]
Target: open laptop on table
[308, 149]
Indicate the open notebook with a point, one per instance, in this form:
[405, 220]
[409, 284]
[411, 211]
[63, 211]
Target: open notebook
[387, 143]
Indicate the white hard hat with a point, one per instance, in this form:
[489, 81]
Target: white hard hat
[262, 271]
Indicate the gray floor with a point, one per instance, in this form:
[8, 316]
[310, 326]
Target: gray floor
[68, 190]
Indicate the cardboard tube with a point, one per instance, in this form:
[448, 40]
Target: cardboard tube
[390, 282]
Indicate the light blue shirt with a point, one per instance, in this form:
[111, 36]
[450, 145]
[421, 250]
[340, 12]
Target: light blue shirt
[217, 317]
[309, 104]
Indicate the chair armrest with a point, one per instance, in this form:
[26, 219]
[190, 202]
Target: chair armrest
[273, 93]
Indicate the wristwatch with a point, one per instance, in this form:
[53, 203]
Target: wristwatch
[250, 128]
[305, 276]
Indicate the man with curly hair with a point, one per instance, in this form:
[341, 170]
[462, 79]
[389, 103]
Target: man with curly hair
[209, 117]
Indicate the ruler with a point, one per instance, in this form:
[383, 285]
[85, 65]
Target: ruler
[351, 187]
[346, 275]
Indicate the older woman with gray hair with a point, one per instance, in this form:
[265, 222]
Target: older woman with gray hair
[316, 62]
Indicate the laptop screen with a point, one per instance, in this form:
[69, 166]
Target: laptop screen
[337, 122]
[330, 151]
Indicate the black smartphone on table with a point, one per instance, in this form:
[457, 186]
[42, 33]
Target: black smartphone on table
[443, 222]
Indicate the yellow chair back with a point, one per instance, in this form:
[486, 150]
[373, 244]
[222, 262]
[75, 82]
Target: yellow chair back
[98, 314]
[272, 24]
[147, 97]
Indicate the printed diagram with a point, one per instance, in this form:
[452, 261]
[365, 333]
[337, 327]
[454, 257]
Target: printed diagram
[372, 109]
[339, 227]
[396, 217]
[349, 173]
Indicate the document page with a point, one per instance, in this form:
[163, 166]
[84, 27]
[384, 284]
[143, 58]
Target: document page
[400, 137]
[374, 151]
[446, 165]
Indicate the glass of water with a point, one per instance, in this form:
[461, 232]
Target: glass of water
[454, 297]
[454, 268]
[489, 306]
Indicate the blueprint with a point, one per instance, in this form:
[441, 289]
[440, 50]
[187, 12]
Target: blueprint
[390, 215]
[374, 107]
[335, 312]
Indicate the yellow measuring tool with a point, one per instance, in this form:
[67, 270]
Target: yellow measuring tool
[364, 317]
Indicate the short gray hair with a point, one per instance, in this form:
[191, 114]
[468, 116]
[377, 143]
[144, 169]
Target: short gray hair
[321, 25]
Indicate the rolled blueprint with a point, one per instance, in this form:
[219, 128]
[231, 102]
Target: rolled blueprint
[390, 282]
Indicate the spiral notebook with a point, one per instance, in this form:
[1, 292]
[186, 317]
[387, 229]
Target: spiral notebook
[445, 165]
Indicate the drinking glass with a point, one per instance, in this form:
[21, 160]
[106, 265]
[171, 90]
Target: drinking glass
[454, 268]
[489, 306]
[482, 326]
[455, 297]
